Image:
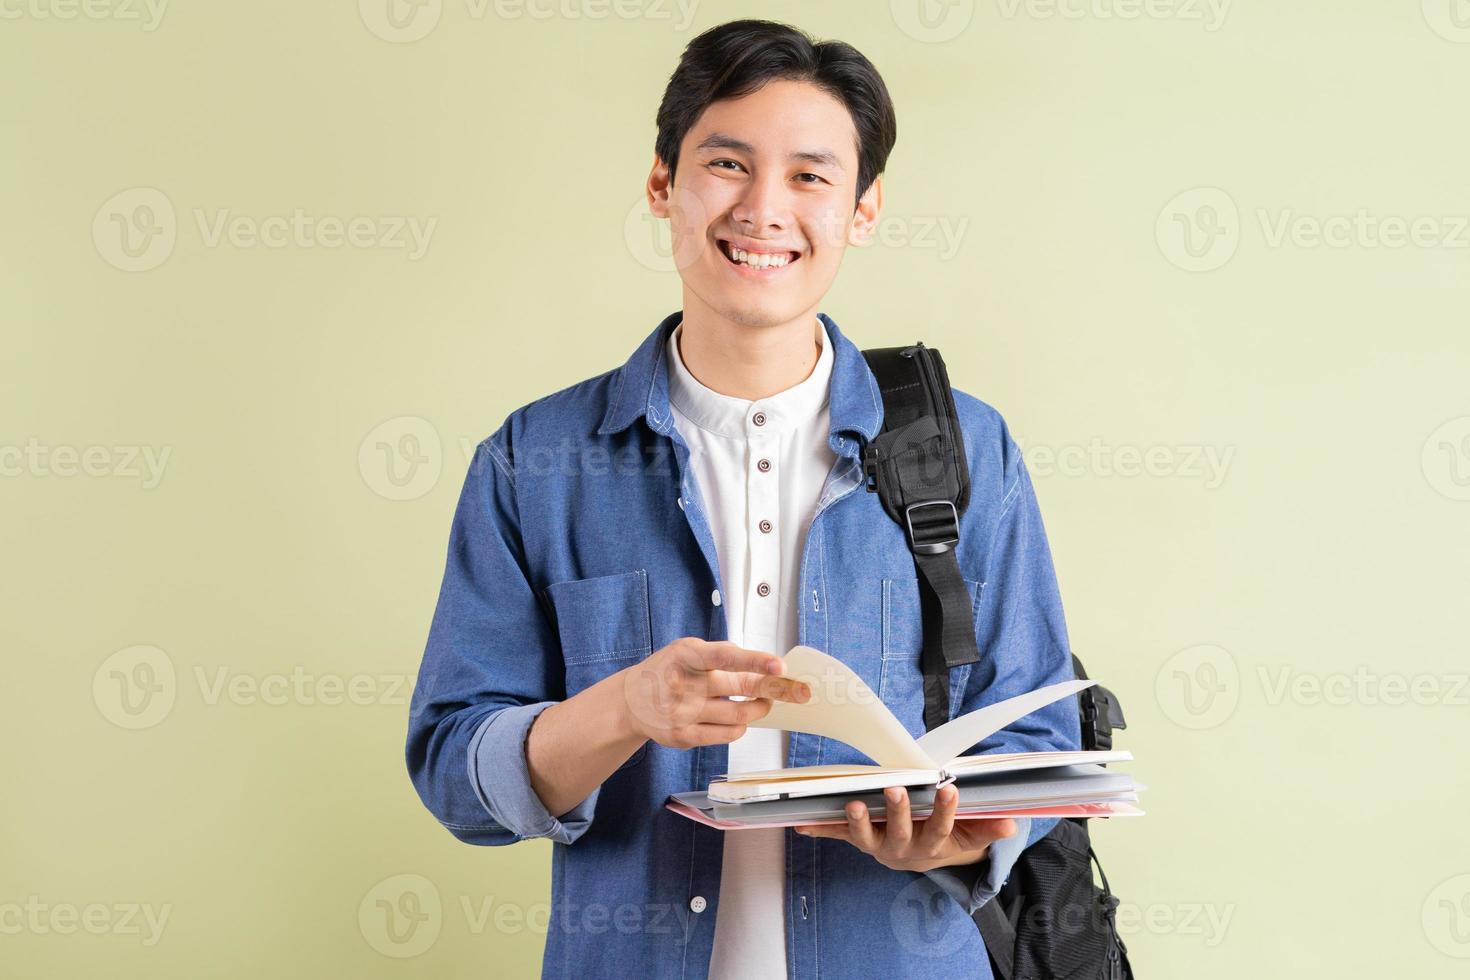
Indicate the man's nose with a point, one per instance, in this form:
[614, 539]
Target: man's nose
[764, 204]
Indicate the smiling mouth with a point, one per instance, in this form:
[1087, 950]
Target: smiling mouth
[756, 261]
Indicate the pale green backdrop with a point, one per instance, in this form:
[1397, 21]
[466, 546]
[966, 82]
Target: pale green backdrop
[268, 271]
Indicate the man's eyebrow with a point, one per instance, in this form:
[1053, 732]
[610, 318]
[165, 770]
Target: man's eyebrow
[724, 141]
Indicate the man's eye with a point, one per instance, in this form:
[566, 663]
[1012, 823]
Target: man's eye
[814, 178]
[716, 163]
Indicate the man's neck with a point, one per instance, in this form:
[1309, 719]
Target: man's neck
[744, 361]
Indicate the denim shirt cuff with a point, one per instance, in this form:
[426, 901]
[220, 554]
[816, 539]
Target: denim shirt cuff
[972, 885]
[501, 777]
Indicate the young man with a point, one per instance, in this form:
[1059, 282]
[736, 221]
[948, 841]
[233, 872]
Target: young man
[632, 550]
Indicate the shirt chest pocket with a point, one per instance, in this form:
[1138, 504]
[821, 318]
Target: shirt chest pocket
[901, 684]
[603, 625]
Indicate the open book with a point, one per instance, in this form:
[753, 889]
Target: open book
[842, 707]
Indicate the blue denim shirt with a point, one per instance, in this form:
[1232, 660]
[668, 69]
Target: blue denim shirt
[580, 545]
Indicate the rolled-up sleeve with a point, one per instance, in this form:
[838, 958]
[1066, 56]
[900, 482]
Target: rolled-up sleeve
[1021, 634]
[972, 885]
[492, 664]
[498, 771]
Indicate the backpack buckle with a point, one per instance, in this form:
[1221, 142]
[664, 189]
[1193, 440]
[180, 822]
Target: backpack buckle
[870, 467]
[937, 534]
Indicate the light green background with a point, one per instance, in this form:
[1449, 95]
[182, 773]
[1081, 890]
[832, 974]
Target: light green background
[1048, 162]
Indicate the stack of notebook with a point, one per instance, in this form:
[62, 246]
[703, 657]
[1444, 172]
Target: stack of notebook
[990, 786]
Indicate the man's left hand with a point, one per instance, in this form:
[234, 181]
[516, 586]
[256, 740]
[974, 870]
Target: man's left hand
[905, 844]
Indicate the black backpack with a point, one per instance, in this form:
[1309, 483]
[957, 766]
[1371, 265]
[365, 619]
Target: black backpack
[1051, 921]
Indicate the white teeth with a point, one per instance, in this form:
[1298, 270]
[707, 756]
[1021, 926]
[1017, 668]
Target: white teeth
[764, 260]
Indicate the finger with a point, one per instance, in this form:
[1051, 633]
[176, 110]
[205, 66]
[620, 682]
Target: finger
[750, 685]
[724, 655]
[718, 711]
[716, 734]
[860, 829]
[936, 830]
[834, 831]
[900, 829]
[975, 834]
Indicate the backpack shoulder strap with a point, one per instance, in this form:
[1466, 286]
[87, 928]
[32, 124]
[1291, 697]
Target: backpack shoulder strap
[916, 465]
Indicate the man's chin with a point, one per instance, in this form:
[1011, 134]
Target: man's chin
[758, 315]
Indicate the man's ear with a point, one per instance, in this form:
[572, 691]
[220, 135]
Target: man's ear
[657, 188]
[865, 218]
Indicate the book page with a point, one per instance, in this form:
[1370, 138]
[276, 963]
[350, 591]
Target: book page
[946, 742]
[844, 708]
[1016, 761]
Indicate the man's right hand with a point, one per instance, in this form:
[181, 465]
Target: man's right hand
[678, 695]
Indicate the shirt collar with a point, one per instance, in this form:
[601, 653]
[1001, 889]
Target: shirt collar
[732, 417]
[640, 389]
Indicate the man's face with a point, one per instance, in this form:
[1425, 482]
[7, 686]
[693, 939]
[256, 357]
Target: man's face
[762, 205]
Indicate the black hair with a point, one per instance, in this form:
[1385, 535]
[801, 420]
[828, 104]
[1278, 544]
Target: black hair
[736, 59]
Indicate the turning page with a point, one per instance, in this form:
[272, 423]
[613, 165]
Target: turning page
[844, 708]
[946, 742]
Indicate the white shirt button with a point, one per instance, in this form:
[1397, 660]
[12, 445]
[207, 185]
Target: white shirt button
[681, 503]
[715, 597]
[698, 904]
